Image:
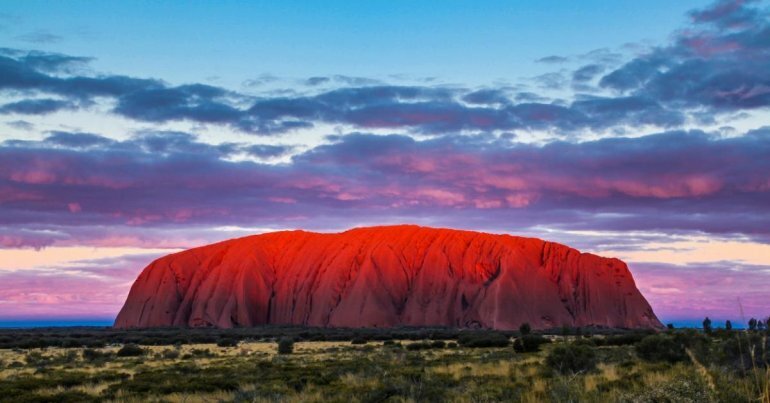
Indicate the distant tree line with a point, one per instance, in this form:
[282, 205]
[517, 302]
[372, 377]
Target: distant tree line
[754, 324]
[96, 337]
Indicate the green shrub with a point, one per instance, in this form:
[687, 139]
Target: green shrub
[69, 357]
[419, 345]
[170, 354]
[227, 343]
[426, 345]
[91, 354]
[131, 350]
[69, 396]
[35, 358]
[586, 341]
[744, 352]
[685, 389]
[660, 348]
[621, 339]
[483, 339]
[201, 352]
[285, 345]
[571, 358]
[529, 343]
[525, 329]
[358, 340]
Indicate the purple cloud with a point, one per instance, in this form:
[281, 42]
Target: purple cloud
[84, 289]
[673, 181]
[724, 290]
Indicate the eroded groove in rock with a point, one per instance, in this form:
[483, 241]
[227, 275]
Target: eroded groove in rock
[386, 276]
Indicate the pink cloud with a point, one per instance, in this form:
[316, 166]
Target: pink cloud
[718, 290]
[87, 289]
[285, 200]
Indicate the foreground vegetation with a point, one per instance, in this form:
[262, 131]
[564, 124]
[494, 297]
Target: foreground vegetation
[294, 364]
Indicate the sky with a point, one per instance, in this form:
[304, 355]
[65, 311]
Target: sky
[637, 130]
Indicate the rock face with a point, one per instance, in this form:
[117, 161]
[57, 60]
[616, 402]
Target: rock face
[386, 276]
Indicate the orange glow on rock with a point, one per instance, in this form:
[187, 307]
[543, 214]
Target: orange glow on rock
[386, 276]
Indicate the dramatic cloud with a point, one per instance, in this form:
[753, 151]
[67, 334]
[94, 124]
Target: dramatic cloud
[721, 63]
[674, 181]
[31, 71]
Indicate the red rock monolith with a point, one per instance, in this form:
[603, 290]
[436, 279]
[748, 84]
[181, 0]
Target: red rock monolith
[386, 276]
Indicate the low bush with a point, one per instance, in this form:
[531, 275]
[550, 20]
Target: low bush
[36, 359]
[170, 354]
[426, 345]
[91, 354]
[358, 340]
[686, 389]
[201, 352]
[572, 358]
[483, 339]
[131, 350]
[621, 339]
[529, 343]
[227, 343]
[744, 352]
[660, 348]
[419, 345]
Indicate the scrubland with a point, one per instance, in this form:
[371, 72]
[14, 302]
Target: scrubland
[420, 366]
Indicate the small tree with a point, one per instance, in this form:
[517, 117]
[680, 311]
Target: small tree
[707, 325]
[525, 329]
[670, 326]
[752, 324]
[285, 345]
[728, 325]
